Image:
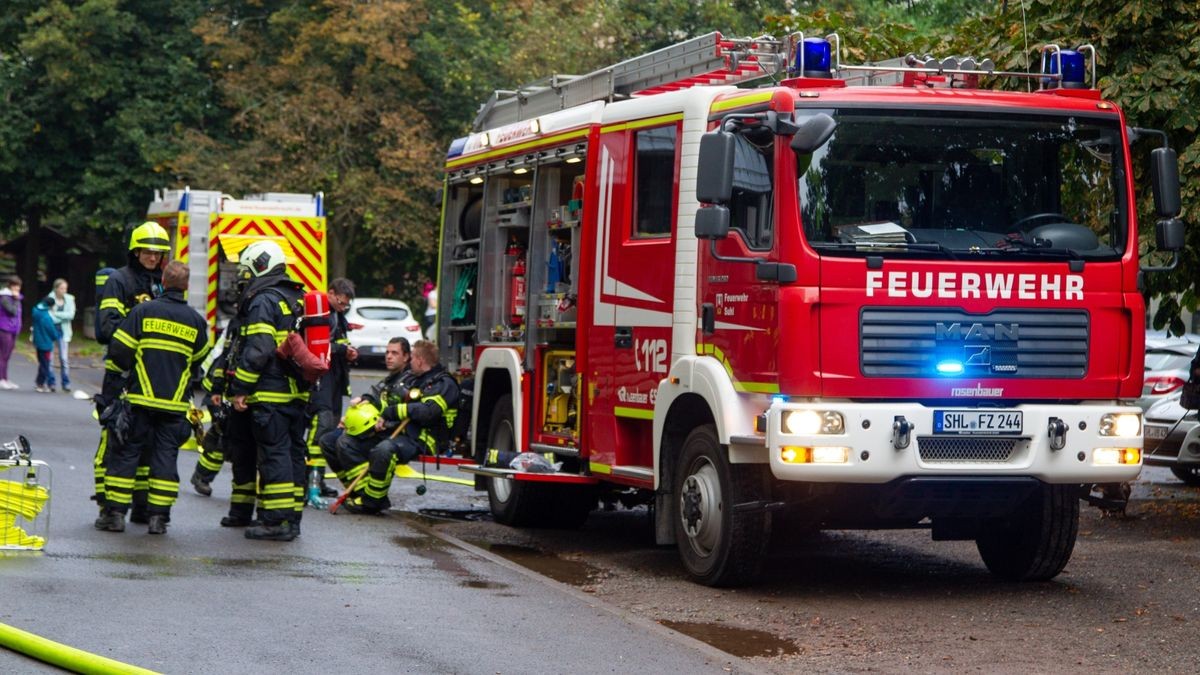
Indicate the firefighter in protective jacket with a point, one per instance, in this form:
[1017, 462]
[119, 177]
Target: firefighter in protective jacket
[138, 281]
[268, 387]
[427, 393]
[162, 342]
[229, 437]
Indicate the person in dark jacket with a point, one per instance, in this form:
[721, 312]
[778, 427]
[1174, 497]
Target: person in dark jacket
[125, 288]
[45, 335]
[325, 401]
[267, 386]
[427, 393]
[163, 341]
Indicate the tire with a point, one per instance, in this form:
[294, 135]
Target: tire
[1188, 474]
[524, 504]
[512, 502]
[1035, 542]
[717, 546]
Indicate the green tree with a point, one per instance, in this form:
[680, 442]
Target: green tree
[322, 96]
[96, 94]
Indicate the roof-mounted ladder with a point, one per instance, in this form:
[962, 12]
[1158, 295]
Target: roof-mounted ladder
[706, 60]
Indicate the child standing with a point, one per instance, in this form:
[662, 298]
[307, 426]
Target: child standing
[45, 335]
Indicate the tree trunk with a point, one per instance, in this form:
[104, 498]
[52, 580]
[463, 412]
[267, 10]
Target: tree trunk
[28, 267]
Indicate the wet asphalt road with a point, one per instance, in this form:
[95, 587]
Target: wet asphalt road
[353, 594]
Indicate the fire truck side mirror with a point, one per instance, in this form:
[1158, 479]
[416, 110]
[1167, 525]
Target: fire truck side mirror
[1164, 181]
[712, 222]
[1169, 234]
[813, 133]
[714, 182]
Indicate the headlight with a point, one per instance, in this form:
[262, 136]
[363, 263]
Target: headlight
[1124, 425]
[813, 422]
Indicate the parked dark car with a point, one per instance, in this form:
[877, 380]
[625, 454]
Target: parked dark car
[1171, 437]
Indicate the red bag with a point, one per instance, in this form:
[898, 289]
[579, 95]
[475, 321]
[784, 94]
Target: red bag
[296, 352]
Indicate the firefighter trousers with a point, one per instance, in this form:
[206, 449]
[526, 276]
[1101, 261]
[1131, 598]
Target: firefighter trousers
[278, 430]
[155, 437]
[110, 390]
[238, 446]
[324, 420]
[374, 454]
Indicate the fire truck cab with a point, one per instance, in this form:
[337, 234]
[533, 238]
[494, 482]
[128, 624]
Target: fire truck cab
[861, 297]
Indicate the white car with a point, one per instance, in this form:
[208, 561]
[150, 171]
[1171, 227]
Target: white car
[374, 321]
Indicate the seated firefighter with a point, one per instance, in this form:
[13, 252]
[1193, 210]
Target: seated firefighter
[403, 417]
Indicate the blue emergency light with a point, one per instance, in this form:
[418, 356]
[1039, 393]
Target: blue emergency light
[813, 58]
[1073, 75]
[949, 367]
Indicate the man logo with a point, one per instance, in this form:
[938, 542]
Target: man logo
[977, 332]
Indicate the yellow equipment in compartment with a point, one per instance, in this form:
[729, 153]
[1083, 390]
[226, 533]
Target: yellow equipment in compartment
[560, 395]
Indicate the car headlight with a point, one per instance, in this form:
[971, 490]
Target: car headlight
[1123, 425]
[813, 422]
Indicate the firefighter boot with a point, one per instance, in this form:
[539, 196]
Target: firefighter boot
[280, 532]
[201, 486]
[238, 521]
[158, 524]
[111, 520]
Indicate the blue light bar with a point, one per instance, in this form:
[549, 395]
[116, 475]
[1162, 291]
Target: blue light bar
[456, 147]
[813, 58]
[1073, 72]
[950, 368]
[779, 398]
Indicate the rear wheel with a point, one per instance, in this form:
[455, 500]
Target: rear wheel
[1035, 542]
[1187, 474]
[718, 546]
[522, 503]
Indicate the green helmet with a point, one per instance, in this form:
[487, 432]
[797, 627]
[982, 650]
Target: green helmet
[150, 236]
[361, 419]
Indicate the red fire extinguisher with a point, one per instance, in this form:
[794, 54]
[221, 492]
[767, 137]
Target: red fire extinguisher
[315, 324]
[516, 300]
[518, 292]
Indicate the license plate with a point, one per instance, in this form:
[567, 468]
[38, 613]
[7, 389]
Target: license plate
[382, 349]
[977, 421]
[1156, 432]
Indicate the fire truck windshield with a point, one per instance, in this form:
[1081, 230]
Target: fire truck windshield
[919, 183]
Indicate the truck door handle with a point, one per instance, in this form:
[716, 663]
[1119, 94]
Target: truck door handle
[624, 338]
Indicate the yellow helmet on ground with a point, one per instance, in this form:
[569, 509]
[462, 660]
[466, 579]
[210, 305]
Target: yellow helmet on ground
[150, 236]
[361, 419]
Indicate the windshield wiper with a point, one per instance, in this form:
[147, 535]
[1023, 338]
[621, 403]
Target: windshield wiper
[889, 245]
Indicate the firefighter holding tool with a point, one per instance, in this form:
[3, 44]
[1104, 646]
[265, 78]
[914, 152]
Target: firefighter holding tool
[362, 440]
[422, 425]
[325, 402]
[163, 341]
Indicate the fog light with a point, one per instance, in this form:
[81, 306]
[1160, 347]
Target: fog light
[1124, 425]
[821, 454]
[830, 455]
[1116, 456]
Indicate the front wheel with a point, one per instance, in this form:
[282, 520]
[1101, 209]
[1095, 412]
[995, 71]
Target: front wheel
[1036, 541]
[719, 545]
[1188, 474]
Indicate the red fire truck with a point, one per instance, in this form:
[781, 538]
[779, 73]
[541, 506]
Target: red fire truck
[871, 296]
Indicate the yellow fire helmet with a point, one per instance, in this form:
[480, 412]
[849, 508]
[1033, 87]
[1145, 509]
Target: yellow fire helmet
[361, 419]
[150, 236]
